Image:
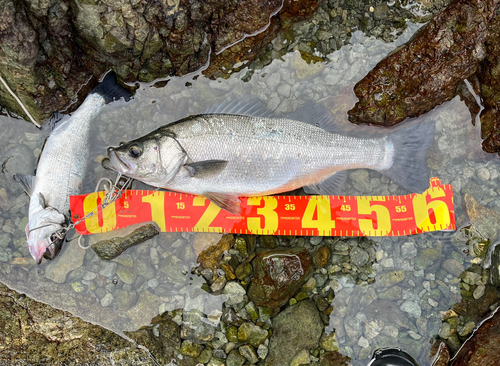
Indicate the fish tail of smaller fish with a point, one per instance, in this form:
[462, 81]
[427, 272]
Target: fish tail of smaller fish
[110, 90]
[409, 150]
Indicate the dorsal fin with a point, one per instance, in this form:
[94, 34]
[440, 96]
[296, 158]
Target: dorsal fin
[316, 115]
[245, 105]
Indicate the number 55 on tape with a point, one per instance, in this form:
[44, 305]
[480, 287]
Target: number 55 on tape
[275, 215]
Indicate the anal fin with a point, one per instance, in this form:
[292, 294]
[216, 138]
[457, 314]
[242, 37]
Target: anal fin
[332, 186]
[230, 203]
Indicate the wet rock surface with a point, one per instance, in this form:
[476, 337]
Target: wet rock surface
[54, 48]
[35, 333]
[296, 329]
[279, 274]
[114, 243]
[489, 89]
[484, 346]
[440, 57]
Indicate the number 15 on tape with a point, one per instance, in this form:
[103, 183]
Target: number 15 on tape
[275, 215]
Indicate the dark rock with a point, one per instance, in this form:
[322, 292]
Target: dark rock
[278, 275]
[489, 89]
[165, 345]
[483, 348]
[54, 47]
[295, 329]
[426, 72]
[495, 265]
[477, 308]
[117, 241]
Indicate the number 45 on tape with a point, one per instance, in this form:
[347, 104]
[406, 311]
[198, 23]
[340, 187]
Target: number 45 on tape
[432, 210]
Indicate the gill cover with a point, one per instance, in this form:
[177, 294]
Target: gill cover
[154, 159]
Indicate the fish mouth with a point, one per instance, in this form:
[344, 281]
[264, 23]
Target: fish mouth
[115, 163]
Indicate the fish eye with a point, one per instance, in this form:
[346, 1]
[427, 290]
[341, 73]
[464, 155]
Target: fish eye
[134, 151]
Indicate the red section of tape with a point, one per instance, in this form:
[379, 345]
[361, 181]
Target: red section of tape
[275, 215]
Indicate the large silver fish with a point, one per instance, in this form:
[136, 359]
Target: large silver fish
[61, 169]
[237, 152]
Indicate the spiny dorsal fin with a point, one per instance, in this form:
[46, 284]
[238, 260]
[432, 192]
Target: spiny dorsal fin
[316, 115]
[245, 105]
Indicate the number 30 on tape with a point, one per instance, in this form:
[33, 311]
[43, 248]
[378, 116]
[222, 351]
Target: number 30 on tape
[275, 215]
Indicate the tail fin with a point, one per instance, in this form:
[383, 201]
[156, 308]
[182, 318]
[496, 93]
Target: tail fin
[110, 90]
[409, 169]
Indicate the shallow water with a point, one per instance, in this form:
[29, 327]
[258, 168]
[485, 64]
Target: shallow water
[396, 301]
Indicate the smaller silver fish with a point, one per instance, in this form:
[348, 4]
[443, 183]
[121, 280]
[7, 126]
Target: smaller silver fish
[229, 154]
[60, 171]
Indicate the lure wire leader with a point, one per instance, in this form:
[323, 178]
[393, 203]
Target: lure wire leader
[113, 192]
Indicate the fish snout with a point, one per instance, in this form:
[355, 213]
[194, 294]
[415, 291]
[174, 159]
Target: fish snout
[114, 160]
[37, 250]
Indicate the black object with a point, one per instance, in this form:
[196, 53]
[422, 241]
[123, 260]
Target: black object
[392, 357]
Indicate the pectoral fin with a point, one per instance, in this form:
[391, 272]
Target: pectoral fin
[230, 203]
[206, 168]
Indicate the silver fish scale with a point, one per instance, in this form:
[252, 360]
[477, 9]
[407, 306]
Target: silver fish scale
[61, 168]
[269, 155]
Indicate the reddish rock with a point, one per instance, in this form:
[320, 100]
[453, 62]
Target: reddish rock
[278, 275]
[483, 348]
[427, 71]
[439, 354]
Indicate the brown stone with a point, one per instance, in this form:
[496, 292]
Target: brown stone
[210, 257]
[320, 257]
[278, 275]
